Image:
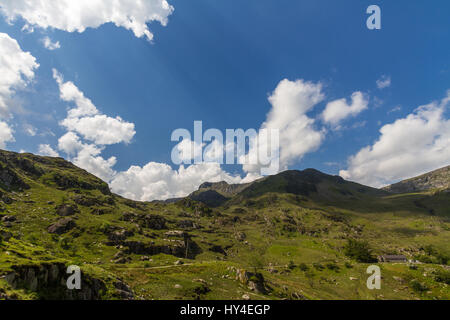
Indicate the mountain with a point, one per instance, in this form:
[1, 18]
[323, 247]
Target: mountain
[435, 180]
[310, 183]
[295, 235]
[216, 194]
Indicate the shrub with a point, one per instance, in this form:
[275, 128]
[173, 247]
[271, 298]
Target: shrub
[442, 276]
[332, 266]
[303, 267]
[291, 265]
[318, 266]
[359, 250]
[348, 265]
[418, 286]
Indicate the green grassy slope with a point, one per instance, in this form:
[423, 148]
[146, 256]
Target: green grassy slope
[288, 232]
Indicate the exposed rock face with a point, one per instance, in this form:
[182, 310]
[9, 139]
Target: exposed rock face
[254, 281]
[65, 210]
[62, 226]
[119, 235]
[224, 188]
[49, 281]
[185, 248]
[85, 201]
[187, 224]
[150, 221]
[123, 291]
[5, 235]
[438, 179]
[10, 180]
[101, 211]
[9, 219]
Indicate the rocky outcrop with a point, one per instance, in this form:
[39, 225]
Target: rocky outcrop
[438, 179]
[183, 247]
[150, 221]
[48, 280]
[187, 224]
[65, 210]
[119, 235]
[10, 180]
[62, 226]
[254, 281]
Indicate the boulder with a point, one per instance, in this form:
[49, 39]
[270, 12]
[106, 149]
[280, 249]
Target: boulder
[119, 235]
[187, 224]
[9, 219]
[62, 226]
[65, 210]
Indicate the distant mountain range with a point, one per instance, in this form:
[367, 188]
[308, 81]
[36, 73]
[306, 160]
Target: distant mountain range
[315, 184]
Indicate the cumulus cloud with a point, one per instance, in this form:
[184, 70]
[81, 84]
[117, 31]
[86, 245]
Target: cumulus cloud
[86, 120]
[50, 45]
[384, 82]
[6, 134]
[291, 101]
[406, 148]
[338, 110]
[87, 156]
[16, 71]
[47, 150]
[160, 181]
[71, 16]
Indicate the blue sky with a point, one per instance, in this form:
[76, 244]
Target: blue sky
[219, 61]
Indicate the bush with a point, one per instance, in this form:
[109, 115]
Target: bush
[418, 286]
[291, 265]
[318, 266]
[332, 266]
[303, 267]
[442, 276]
[359, 250]
[348, 265]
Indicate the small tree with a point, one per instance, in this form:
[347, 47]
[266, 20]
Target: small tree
[256, 262]
[359, 250]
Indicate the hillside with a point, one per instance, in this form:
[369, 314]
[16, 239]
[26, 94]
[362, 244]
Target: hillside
[435, 180]
[296, 235]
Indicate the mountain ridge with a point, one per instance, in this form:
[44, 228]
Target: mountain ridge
[435, 180]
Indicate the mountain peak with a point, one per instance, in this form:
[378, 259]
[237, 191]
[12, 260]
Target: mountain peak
[434, 180]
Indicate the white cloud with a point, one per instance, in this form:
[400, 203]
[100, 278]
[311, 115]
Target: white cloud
[384, 82]
[291, 101]
[16, 70]
[406, 148]
[48, 44]
[6, 134]
[30, 130]
[71, 16]
[47, 150]
[86, 120]
[338, 110]
[160, 181]
[87, 156]
[101, 129]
